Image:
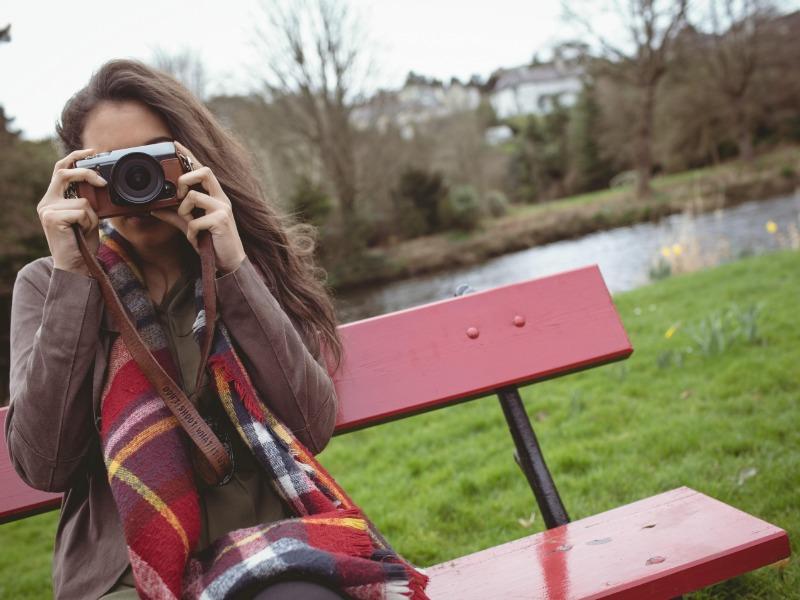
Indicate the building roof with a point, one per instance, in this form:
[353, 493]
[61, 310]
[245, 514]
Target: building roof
[515, 76]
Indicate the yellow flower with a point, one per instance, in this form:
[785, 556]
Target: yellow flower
[665, 252]
[677, 249]
[772, 226]
[671, 331]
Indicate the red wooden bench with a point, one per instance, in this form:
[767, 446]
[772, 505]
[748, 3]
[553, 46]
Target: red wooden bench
[491, 342]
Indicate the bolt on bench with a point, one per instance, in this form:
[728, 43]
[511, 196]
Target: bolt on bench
[491, 342]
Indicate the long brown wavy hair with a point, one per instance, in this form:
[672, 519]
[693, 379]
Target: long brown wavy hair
[279, 247]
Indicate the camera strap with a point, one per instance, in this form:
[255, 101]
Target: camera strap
[212, 462]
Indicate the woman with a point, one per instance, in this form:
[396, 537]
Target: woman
[277, 313]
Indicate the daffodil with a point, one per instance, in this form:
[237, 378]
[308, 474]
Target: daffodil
[665, 252]
[677, 249]
[772, 226]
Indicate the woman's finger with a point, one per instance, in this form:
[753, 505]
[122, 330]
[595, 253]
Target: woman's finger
[195, 226]
[195, 199]
[205, 177]
[64, 218]
[62, 203]
[69, 159]
[62, 178]
[186, 152]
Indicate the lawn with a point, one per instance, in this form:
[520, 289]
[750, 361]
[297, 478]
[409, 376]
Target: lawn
[771, 162]
[722, 419]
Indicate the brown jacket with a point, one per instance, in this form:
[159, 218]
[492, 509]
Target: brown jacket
[61, 335]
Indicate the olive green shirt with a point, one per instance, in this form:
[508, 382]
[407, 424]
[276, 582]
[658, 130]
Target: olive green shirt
[248, 498]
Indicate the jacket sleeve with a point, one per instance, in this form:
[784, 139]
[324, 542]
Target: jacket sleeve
[55, 322]
[293, 382]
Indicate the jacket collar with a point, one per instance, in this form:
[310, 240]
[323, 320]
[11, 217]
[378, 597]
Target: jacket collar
[108, 323]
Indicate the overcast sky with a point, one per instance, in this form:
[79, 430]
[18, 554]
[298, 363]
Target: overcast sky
[55, 46]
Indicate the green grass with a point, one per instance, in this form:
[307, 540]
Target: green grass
[443, 484]
[668, 183]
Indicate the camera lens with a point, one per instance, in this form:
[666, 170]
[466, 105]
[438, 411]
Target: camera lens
[137, 178]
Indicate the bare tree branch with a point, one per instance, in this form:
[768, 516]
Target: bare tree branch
[652, 27]
[186, 66]
[312, 53]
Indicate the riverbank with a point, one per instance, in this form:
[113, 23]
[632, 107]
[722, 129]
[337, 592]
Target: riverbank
[719, 419]
[701, 190]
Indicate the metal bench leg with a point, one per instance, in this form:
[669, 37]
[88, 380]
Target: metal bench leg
[530, 459]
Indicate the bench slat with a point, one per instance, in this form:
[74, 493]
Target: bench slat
[659, 547]
[17, 500]
[422, 358]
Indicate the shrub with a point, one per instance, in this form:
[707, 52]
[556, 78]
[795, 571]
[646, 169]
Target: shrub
[496, 203]
[416, 201]
[626, 178]
[460, 209]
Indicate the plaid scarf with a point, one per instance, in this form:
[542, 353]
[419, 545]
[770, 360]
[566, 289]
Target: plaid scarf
[147, 458]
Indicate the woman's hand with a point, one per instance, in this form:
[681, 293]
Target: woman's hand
[218, 218]
[57, 214]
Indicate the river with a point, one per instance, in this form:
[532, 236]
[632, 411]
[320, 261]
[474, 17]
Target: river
[625, 256]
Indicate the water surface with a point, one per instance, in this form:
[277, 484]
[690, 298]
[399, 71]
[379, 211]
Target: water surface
[625, 256]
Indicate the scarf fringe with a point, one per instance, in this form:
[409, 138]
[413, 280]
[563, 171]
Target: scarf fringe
[345, 538]
[251, 403]
[417, 583]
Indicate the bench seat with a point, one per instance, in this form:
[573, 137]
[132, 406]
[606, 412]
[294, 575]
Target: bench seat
[659, 547]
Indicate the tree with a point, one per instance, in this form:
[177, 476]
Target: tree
[651, 27]
[313, 55]
[25, 171]
[540, 161]
[731, 56]
[185, 66]
[588, 168]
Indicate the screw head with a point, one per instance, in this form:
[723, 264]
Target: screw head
[519, 320]
[472, 332]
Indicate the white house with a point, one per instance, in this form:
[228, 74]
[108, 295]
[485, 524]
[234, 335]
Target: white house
[533, 89]
[419, 100]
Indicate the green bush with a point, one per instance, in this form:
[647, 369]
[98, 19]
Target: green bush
[496, 203]
[416, 201]
[461, 209]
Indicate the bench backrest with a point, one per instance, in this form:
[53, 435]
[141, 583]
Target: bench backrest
[441, 353]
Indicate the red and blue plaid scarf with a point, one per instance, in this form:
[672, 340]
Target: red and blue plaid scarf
[149, 468]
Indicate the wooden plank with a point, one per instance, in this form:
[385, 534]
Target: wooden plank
[659, 547]
[422, 358]
[17, 499]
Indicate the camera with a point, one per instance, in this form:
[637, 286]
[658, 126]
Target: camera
[140, 179]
